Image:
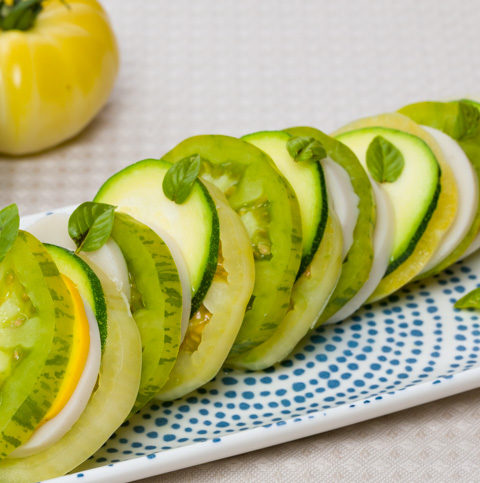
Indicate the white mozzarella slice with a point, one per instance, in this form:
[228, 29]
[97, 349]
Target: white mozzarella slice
[53, 430]
[345, 200]
[109, 258]
[53, 229]
[467, 184]
[182, 273]
[382, 248]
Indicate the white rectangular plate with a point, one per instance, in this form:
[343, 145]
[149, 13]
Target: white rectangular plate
[409, 350]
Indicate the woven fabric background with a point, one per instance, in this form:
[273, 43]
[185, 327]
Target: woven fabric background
[233, 67]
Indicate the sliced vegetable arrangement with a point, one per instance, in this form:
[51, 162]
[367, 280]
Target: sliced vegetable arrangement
[270, 212]
[421, 188]
[224, 252]
[70, 342]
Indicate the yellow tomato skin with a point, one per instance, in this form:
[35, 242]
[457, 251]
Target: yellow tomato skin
[56, 76]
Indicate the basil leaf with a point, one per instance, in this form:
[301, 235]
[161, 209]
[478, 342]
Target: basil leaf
[305, 148]
[468, 120]
[180, 178]
[384, 161]
[469, 301]
[9, 223]
[90, 225]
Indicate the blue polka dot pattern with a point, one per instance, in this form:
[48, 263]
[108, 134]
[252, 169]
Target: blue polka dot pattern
[415, 337]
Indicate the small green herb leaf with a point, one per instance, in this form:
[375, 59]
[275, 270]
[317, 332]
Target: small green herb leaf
[90, 225]
[468, 120]
[305, 148]
[9, 223]
[180, 178]
[384, 161]
[469, 301]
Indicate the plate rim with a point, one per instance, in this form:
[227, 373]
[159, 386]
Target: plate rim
[290, 429]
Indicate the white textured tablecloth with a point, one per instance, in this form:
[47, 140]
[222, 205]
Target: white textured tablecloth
[233, 67]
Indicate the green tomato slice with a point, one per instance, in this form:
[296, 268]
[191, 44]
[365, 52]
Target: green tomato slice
[109, 405]
[358, 261]
[213, 329]
[156, 302]
[443, 116]
[36, 336]
[269, 211]
[309, 297]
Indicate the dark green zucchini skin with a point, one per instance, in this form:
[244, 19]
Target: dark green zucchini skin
[313, 208]
[358, 262]
[137, 190]
[416, 152]
[212, 258]
[322, 224]
[410, 248]
[86, 281]
[267, 205]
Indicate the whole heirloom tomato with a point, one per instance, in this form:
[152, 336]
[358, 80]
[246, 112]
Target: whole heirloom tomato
[58, 64]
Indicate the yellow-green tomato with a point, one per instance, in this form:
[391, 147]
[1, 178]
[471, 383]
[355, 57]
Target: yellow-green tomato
[58, 64]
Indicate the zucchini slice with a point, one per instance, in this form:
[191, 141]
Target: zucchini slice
[415, 242]
[109, 405]
[213, 328]
[137, 191]
[36, 335]
[443, 116]
[154, 286]
[358, 262]
[308, 182]
[269, 211]
[86, 282]
[414, 194]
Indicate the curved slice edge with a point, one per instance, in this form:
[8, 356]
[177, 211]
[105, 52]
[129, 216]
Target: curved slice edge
[356, 268]
[382, 247]
[443, 116]
[310, 295]
[108, 407]
[226, 302]
[54, 429]
[53, 229]
[442, 217]
[345, 200]
[467, 182]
